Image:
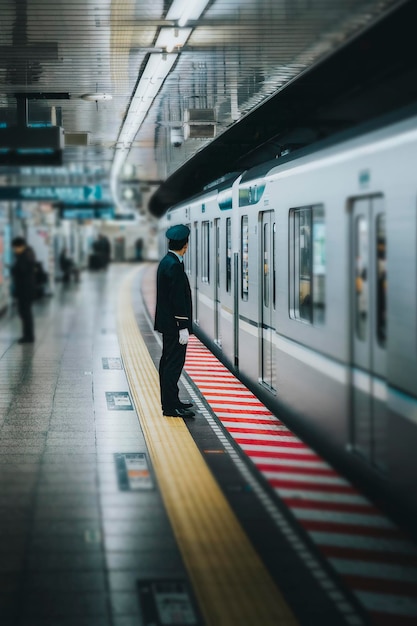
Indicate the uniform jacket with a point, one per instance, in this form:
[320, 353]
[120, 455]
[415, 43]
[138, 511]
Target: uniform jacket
[173, 296]
[24, 278]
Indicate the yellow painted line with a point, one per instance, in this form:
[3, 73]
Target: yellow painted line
[231, 584]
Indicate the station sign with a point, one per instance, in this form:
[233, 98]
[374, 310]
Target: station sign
[86, 212]
[66, 194]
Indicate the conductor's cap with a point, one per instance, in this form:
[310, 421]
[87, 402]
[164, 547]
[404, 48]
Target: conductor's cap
[178, 232]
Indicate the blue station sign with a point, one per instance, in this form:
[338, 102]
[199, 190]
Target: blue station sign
[54, 194]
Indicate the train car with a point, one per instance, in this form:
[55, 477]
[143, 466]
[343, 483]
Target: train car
[304, 279]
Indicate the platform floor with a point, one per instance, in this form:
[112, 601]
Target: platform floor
[86, 535]
[72, 537]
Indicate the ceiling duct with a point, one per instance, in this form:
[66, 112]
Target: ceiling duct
[199, 116]
[199, 124]
[77, 139]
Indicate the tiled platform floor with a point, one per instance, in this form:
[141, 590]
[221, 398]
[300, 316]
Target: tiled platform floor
[72, 543]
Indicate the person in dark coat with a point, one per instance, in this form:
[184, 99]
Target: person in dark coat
[105, 249]
[67, 266]
[173, 318]
[24, 285]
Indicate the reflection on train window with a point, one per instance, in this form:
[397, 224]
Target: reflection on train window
[266, 264]
[217, 240]
[188, 255]
[245, 257]
[196, 250]
[381, 275]
[228, 254]
[308, 264]
[273, 266]
[361, 277]
[205, 252]
[319, 265]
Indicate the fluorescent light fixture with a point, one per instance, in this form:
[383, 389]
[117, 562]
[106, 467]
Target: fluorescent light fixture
[151, 81]
[184, 10]
[96, 97]
[170, 38]
[153, 77]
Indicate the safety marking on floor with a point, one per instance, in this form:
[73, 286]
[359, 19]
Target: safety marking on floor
[310, 494]
[118, 401]
[112, 363]
[349, 613]
[167, 602]
[227, 575]
[325, 504]
[133, 471]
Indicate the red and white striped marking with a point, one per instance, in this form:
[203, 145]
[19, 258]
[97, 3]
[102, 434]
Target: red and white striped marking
[371, 554]
[375, 559]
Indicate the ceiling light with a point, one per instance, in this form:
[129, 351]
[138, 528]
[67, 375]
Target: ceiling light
[155, 72]
[170, 38]
[184, 10]
[151, 81]
[96, 97]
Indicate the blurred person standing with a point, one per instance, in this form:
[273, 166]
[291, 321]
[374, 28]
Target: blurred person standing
[105, 249]
[173, 318]
[68, 267]
[24, 286]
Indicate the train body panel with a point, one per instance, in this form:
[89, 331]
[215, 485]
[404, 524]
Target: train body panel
[304, 281]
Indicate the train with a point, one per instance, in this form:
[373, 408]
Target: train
[303, 272]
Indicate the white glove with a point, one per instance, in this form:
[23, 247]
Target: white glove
[184, 336]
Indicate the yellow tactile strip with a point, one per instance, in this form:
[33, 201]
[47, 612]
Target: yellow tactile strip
[231, 584]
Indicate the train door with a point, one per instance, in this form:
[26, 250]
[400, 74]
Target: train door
[196, 267]
[267, 308]
[369, 329]
[217, 333]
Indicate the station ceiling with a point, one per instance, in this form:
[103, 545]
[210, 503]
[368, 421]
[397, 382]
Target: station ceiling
[145, 86]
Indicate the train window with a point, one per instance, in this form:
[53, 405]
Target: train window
[308, 264]
[217, 252]
[267, 261]
[228, 254]
[273, 266]
[188, 255]
[319, 265]
[205, 252]
[361, 277]
[245, 258]
[381, 271]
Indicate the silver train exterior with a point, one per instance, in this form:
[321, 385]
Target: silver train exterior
[304, 281]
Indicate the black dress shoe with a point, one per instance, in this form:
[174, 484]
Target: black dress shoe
[178, 413]
[185, 405]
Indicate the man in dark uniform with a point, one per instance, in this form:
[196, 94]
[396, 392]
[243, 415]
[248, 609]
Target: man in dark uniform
[23, 272]
[173, 318]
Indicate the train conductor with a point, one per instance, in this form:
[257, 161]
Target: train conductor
[173, 318]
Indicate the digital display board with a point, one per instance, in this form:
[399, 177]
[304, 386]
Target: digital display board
[87, 213]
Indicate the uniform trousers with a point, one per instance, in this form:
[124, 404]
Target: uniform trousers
[170, 368]
[24, 307]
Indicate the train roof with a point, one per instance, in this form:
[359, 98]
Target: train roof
[384, 122]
